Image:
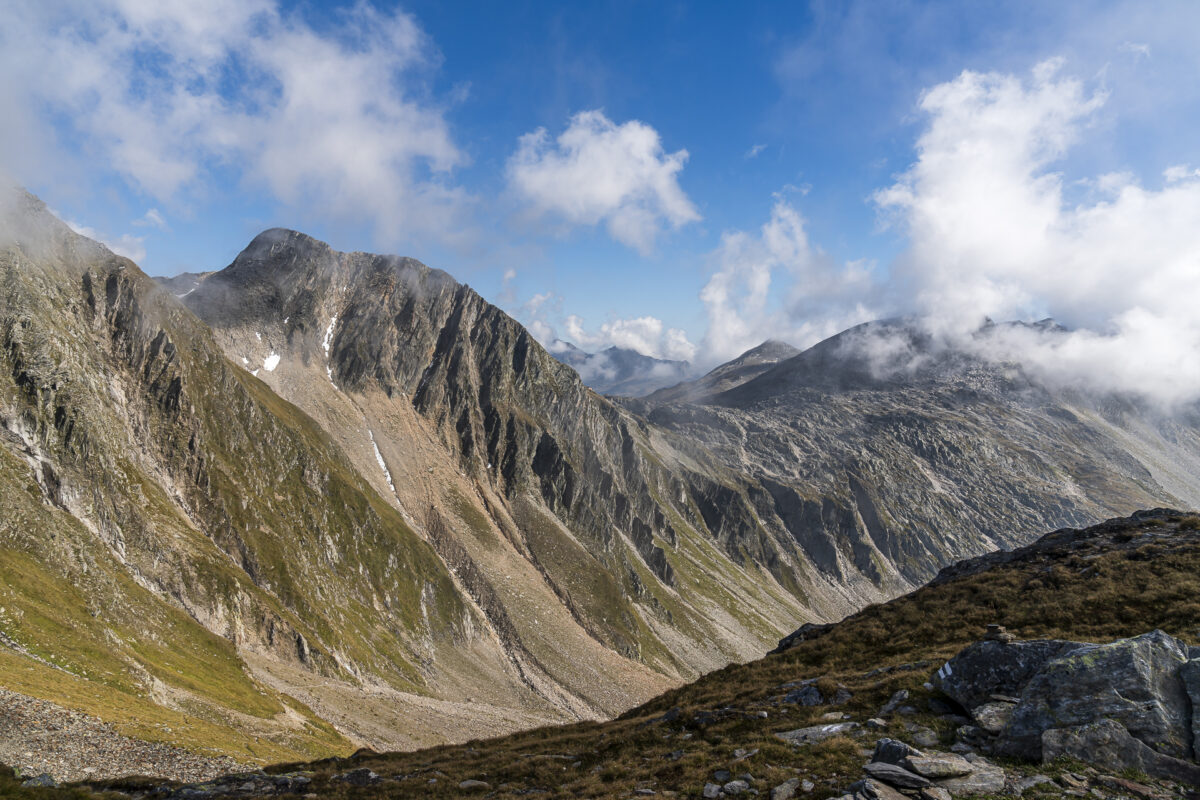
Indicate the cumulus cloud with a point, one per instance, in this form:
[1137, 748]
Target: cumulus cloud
[645, 335]
[775, 284]
[127, 245]
[597, 172]
[152, 219]
[334, 122]
[991, 233]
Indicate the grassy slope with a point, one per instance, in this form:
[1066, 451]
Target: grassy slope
[127, 605]
[1147, 577]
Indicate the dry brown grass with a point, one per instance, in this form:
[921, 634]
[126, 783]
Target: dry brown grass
[1139, 582]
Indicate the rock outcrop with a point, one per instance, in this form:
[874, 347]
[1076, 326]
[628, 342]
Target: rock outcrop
[1129, 703]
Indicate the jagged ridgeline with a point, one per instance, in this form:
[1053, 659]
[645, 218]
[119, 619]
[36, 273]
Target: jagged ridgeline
[318, 500]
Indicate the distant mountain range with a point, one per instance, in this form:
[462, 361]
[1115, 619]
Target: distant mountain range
[242, 510]
[620, 371]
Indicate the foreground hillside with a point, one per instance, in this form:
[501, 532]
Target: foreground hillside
[1119, 579]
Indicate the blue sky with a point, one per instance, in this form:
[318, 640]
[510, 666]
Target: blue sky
[684, 178]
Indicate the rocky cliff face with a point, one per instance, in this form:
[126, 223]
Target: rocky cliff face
[880, 453]
[170, 521]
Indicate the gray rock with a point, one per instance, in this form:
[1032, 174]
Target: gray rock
[1032, 781]
[786, 790]
[938, 765]
[1135, 682]
[985, 778]
[474, 784]
[893, 751]
[711, 790]
[924, 737]
[935, 793]
[986, 668]
[805, 696]
[1190, 673]
[891, 705]
[358, 777]
[45, 779]
[841, 696]
[735, 787]
[1108, 744]
[817, 733]
[876, 724]
[869, 789]
[993, 717]
[722, 775]
[895, 775]
[807, 786]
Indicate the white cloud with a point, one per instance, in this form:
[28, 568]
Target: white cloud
[152, 219]
[1138, 50]
[646, 335]
[774, 284]
[991, 233]
[127, 245]
[334, 123]
[755, 150]
[597, 172]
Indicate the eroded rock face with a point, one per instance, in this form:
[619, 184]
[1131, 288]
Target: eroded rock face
[1107, 742]
[1135, 682]
[1190, 673]
[1129, 704]
[987, 668]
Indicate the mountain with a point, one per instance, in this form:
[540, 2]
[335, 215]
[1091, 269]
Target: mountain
[808, 718]
[620, 371]
[747, 366]
[328, 500]
[183, 283]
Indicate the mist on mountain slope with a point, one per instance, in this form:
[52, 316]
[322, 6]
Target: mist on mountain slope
[994, 230]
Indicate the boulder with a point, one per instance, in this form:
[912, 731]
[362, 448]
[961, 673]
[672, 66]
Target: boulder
[1190, 673]
[1135, 682]
[805, 696]
[993, 717]
[786, 790]
[817, 733]
[895, 775]
[472, 784]
[984, 778]
[868, 789]
[891, 705]
[711, 790]
[935, 793]
[358, 777]
[1108, 744]
[989, 667]
[938, 765]
[735, 787]
[893, 751]
[922, 736]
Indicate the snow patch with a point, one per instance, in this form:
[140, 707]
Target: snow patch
[382, 465]
[329, 335]
[258, 336]
[271, 362]
[254, 373]
[245, 360]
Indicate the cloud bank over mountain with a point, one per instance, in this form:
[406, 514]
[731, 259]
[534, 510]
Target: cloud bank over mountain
[994, 231]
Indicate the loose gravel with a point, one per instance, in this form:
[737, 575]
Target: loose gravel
[38, 737]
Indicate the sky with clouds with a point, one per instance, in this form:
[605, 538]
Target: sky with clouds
[682, 179]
